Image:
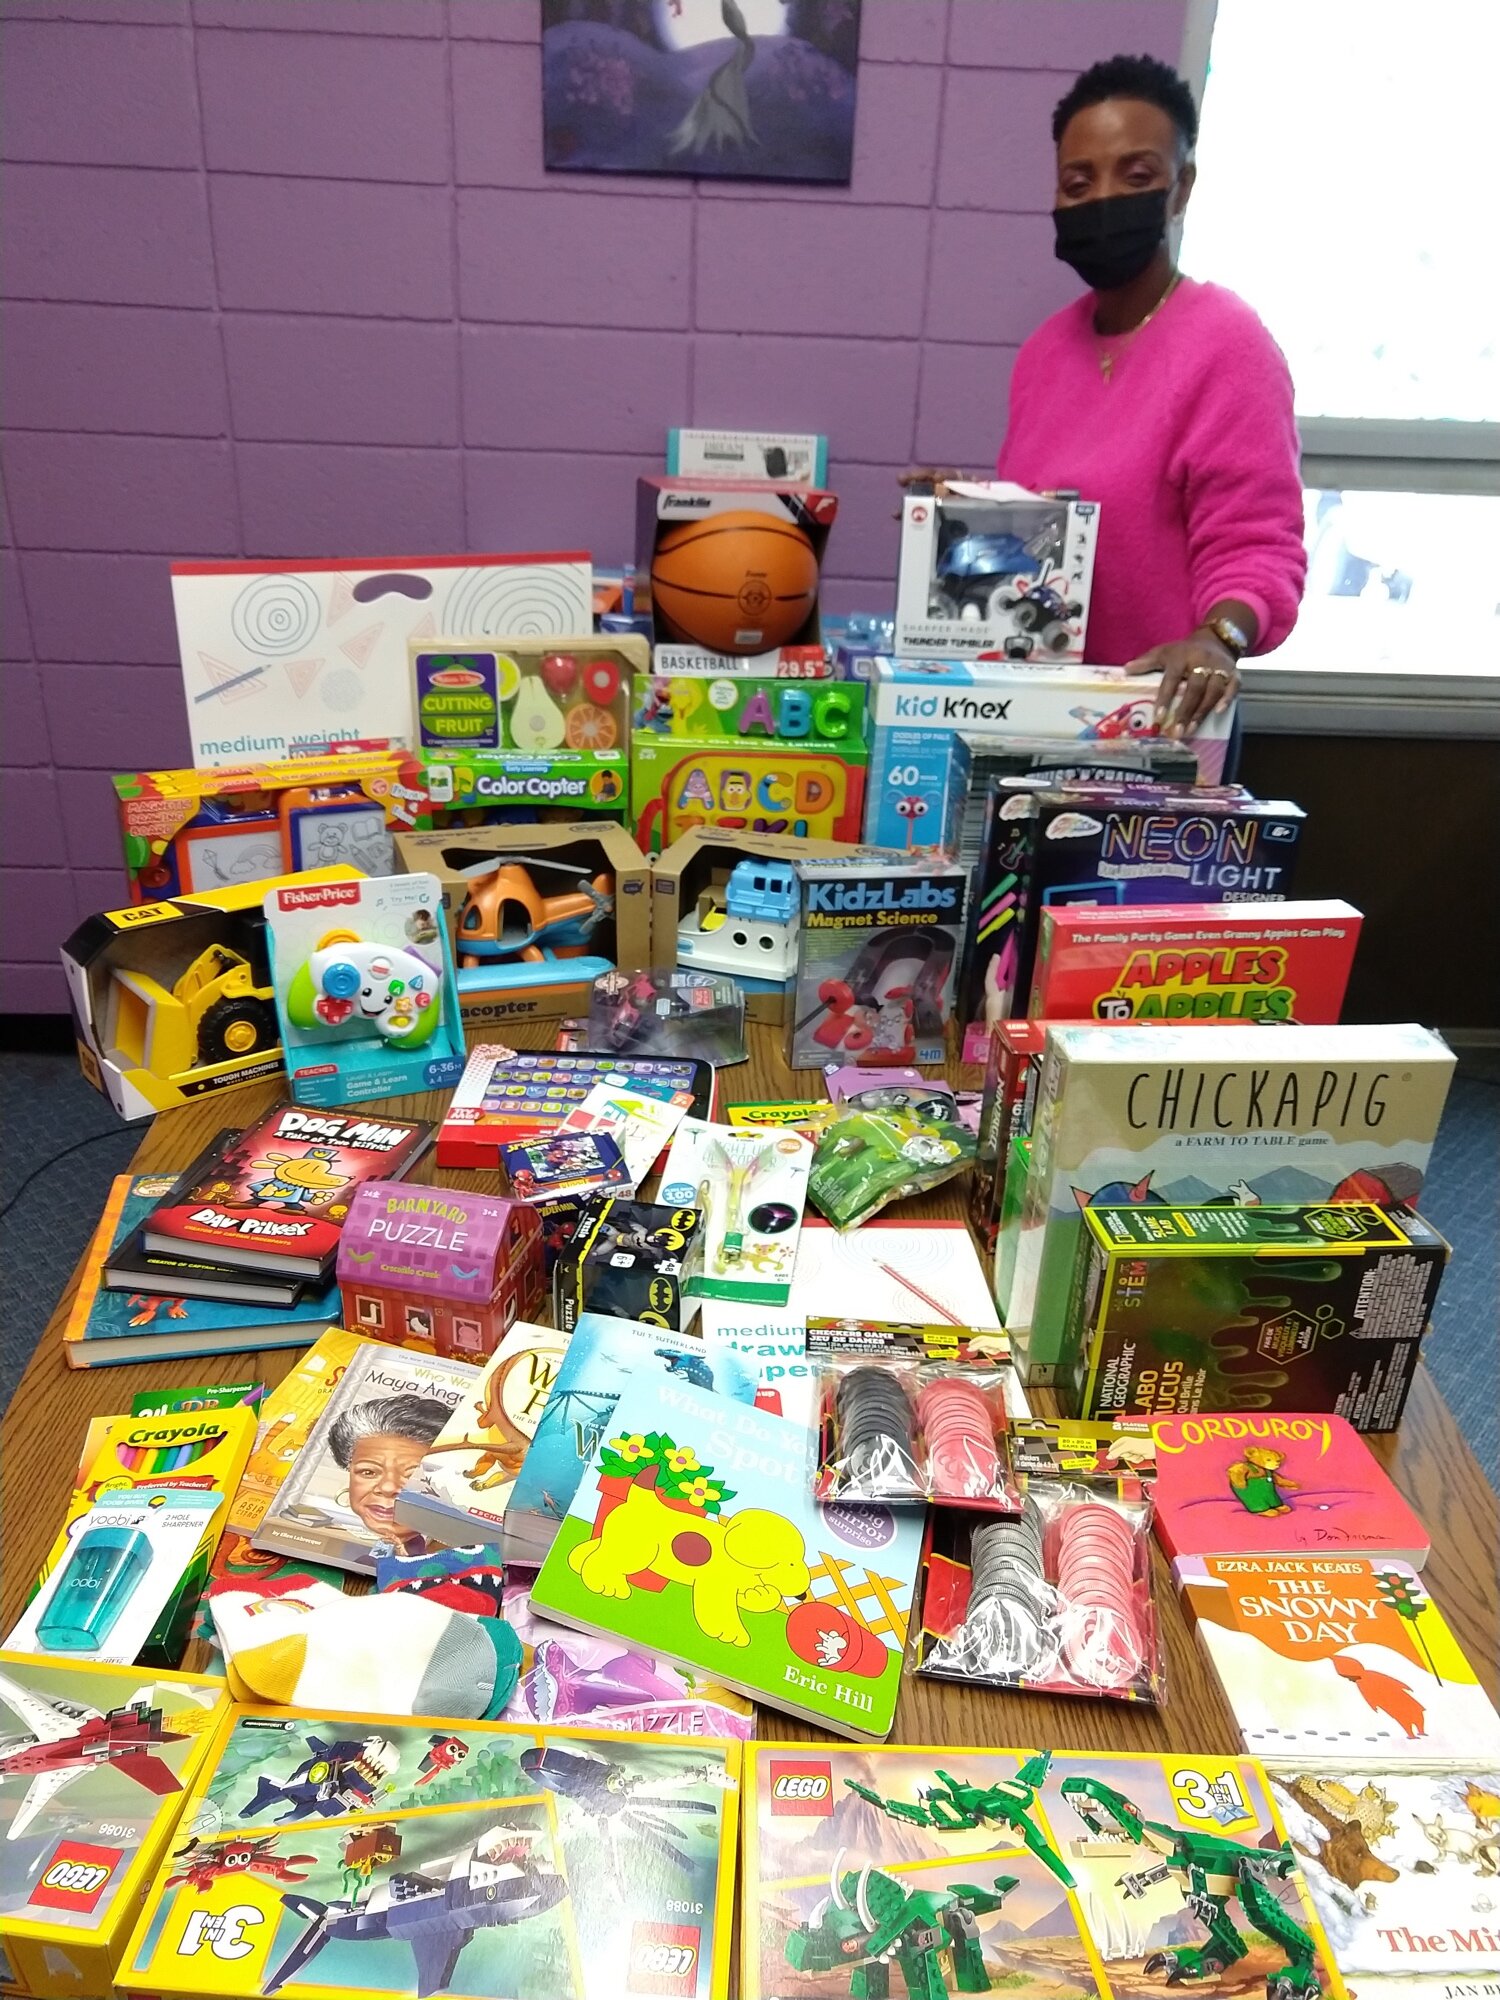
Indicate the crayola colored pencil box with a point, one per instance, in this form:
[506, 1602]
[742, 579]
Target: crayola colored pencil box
[94, 1783]
[330, 1856]
[188, 1455]
[1036, 1874]
[1158, 1116]
[1269, 1307]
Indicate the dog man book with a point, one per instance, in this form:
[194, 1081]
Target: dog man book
[692, 1533]
[277, 1196]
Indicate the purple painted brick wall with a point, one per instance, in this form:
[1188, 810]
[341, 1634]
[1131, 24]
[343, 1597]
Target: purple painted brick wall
[286, 277]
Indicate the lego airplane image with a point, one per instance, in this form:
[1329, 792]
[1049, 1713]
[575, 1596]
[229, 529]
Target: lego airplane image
[64, 1739]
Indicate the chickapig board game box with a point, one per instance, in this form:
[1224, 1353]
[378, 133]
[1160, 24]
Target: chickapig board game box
[1340, 1656]
[1194, 962]
[1402, 1868]
[324, 1856]
[1311, 1307]
[1038, 1874]
[1257, 1483]
[93, 1774]
[1161, 1115]
[693, 1533]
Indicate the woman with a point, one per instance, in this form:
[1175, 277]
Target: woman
[1165, 400]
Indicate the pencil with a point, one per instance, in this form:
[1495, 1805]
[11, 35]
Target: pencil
[917, 1293]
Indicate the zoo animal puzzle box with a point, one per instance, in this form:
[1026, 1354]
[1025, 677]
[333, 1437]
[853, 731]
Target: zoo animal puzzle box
[693, 1534]
[96, 1765]
[1402, 1868]
[1338, 1656]
[1163, 1116]
[1032, 1873]
[332, 1855]
[1236, 961]
[1271, 1307]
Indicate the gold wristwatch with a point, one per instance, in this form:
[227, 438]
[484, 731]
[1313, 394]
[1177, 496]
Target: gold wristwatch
[1230, 636]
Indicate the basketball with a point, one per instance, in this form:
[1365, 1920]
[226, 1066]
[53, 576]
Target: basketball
[735, 583]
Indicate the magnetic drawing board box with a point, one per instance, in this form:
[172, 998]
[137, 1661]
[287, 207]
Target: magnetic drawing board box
[488, 1859]
[1007, 1865]
[1162, 1115]
[1318, 1307]
[1111, 845]
[97, 1773]
[322, 645]
[1225, 961]
[1341, 1656]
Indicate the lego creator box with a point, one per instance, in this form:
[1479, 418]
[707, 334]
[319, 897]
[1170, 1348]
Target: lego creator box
[1164, 1116]
[986, 567]
[1297, 1308]
[1237, 961]
[730, 565]
[878, 943]
[1037, 1874]
[437, 1268]
[747, 755]
[95, 1765]
[917, 707]
[535, 912]
[330, 1855]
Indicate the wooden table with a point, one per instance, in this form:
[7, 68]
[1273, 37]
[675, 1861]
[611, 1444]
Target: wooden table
[1429, 1459]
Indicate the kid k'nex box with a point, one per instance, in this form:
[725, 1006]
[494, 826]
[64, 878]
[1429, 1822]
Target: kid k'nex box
[1172, 1117]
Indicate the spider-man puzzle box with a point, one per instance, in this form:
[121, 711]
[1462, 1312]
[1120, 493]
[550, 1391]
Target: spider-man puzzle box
[1030, 1873]
[878, 946]
[327, 1855]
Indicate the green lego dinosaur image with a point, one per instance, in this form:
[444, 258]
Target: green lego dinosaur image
[953, 1805]
[870, 1920]
[1211, 1872]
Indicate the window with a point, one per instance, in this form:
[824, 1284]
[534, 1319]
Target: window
[1345, 153]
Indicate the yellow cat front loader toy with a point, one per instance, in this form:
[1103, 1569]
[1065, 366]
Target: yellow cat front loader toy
[217, 1011]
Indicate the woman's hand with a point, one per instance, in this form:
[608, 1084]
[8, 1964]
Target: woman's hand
[1199, 677]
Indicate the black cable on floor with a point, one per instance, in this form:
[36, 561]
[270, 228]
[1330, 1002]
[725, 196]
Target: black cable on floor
[47, 1165]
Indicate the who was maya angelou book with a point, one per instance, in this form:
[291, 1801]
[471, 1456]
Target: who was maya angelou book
[693, 1534]
[1338, 1660]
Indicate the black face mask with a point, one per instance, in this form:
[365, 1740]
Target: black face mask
[1110, 241]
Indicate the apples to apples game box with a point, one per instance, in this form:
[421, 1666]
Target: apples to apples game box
[1194, 962]
[1183, 1116]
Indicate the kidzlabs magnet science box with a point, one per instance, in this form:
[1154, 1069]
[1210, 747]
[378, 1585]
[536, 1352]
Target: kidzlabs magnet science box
[325, 1856]
[93, 1776]
[1036, 1874]
[1224, 961]
[1163, 1116]
[1266, 1307]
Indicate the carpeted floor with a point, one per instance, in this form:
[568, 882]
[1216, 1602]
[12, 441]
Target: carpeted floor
[46, 1108]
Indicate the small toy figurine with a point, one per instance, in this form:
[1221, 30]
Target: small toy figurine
[443, 1753]
[954, 1806]
[347, 982]
[207, 1861]
[346, 1775]
[362, 1850]
[1210, 1871]
[869, 1918]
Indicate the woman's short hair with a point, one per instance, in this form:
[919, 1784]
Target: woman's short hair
[419, 1418]
[1143, 77]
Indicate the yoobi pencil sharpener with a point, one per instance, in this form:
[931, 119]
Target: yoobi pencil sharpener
[100, 1578]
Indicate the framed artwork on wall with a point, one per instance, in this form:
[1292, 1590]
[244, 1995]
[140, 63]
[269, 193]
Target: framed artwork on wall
[730, 89]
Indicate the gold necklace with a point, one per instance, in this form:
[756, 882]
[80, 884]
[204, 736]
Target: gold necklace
[1107, 355]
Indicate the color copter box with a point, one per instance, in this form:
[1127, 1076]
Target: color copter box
[1109, 846]
[1159, 1115]
[917, 708]
[96, 1781]
[1226, 961]
[1321, 1307]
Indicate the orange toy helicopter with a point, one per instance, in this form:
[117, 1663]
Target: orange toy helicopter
[506, 916]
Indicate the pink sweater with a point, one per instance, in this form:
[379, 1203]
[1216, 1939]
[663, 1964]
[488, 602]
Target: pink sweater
[1190, 450]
